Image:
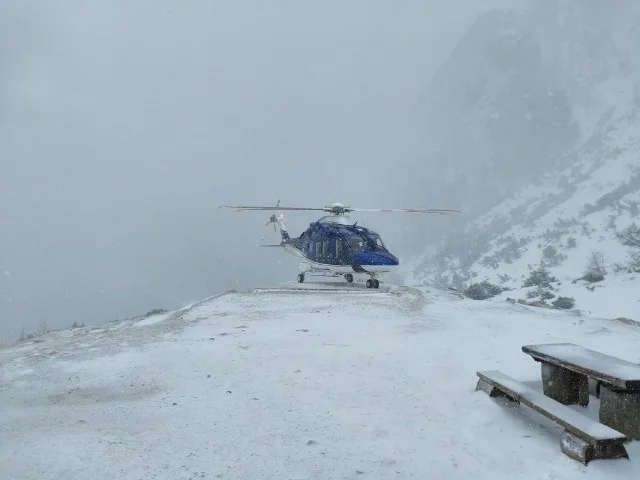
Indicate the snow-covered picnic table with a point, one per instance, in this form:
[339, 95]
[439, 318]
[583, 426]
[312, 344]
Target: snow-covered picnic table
[566, 369]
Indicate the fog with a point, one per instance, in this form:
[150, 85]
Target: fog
[123, 125]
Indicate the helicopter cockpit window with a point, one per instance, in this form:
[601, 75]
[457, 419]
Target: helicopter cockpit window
[378, 241]
[356, 243]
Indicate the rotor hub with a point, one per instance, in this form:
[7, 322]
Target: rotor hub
[337, 209]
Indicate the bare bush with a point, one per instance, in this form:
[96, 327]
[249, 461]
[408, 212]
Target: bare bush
[552, 257]
[483, 290]
[634, 264]
[565, 303]
[595, 270]
[630, 236]
[540, 277]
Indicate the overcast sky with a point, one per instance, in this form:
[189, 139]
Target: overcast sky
[123, 125]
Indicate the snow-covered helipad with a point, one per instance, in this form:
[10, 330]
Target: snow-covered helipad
[283, 383]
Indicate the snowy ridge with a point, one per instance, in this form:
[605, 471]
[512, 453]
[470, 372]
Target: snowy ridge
[526, 93]
[561, 221]
[521, 90]
[590, 192]
[297, 385]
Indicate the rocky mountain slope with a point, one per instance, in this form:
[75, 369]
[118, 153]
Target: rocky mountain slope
[565, 161]
[570, 222]
[526, 92]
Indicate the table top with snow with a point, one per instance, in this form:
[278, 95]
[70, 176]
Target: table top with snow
[610, 368]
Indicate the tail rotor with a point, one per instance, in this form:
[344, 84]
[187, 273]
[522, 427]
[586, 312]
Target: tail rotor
[278, 221]
[273, 219]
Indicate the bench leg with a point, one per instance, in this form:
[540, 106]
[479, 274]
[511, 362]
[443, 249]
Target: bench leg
[620, 411]
[564, 386]
[584, 452]
[493, 391]
[594, 387]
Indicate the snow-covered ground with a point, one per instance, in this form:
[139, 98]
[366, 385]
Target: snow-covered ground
[616, 298]
[294, 384]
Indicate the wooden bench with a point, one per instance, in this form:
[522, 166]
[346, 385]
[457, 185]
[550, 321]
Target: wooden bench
[566, 370]
[583, 439]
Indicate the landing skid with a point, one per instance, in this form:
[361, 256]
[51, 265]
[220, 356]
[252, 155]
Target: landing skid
[370, 283]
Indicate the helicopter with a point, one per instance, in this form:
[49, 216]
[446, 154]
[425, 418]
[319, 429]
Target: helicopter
[333, 245]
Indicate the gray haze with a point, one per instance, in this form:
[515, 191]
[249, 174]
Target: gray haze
[524, 96]
[124, 124]
[512, 102]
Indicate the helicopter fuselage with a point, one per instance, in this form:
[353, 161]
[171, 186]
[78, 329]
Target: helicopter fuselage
[333, 244]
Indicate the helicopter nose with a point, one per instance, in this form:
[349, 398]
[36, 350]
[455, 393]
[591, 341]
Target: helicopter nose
[375, 258]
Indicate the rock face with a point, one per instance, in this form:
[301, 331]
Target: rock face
[496, 106]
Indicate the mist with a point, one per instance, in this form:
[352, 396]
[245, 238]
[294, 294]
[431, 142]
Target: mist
[124, 125]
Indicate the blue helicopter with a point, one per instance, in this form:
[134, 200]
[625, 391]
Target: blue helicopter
[335, 246]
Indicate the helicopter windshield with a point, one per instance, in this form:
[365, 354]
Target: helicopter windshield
[377, 240]
[370, 242]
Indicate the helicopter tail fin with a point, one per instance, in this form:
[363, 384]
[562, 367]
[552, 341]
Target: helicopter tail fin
[283, 228]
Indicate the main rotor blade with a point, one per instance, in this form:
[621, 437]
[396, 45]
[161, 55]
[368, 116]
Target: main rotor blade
[403, 210]
[342, 209]
[240, 207]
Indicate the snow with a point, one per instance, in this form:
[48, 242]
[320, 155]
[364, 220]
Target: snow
[618, 297]
[152, 319]
[295, 384]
